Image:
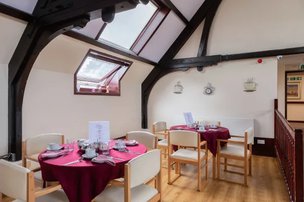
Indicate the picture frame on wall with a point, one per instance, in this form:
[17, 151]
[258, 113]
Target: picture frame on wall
[293, 90]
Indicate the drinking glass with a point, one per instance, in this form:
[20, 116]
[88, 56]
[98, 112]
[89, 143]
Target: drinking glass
[105, 148]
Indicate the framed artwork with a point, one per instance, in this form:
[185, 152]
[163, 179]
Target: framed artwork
[293, 91]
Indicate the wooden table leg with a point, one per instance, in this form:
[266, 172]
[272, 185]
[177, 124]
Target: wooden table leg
[213, 166]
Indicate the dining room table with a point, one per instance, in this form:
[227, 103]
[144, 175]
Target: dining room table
[210, 135]
[82, 179]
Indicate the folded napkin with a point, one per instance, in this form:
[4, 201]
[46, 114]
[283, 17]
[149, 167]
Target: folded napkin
[53, 154]
[104, 159]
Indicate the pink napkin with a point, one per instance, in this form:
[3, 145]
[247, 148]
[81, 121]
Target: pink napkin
[104, 159]
[53, 154]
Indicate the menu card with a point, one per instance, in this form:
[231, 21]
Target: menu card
[99, 131]
[188, 118]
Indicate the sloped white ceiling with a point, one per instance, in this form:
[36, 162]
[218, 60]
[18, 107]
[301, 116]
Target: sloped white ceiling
[24, 5]
[189, 10]
[163, 38]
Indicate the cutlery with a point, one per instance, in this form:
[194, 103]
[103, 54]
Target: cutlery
[73, 162]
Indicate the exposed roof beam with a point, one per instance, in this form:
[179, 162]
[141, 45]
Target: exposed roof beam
[214, 59]
[123, 52]
[172, 7]
[202, 51]
[161, 70]
[16, 13]
[75, 8]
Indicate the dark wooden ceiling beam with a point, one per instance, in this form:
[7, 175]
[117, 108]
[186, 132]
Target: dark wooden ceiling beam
[16, 13]
[99, 44]
[205, 61]
[161, 69]
[50, 12]
[202, 51]
[172, 7]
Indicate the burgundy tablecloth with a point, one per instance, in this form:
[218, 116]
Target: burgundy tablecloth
[83, 181]
[210, 135]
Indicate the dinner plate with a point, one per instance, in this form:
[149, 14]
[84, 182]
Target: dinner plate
[56, 149]
[89, 157]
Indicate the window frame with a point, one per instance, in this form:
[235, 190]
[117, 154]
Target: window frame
[146, 34]
[104, 57]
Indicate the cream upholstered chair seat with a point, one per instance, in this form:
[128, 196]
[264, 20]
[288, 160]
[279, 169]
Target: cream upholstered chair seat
[235, 150]
[187, 154]
[18, 182]
[138, 171]
[163, 143]
[138, 194]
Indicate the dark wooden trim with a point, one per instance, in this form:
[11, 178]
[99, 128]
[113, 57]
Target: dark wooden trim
[172, 7]
[295, 102]
[296, 121]
[214, 59]
[266, 149]
[99, 44]
[16, 13]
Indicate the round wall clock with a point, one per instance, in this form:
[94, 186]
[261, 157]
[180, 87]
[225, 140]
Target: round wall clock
[209, 89]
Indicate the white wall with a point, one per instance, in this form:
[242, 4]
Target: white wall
[229, 99]
[51, 106]
[9, 36]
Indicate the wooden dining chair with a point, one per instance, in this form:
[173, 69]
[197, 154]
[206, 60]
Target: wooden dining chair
[143, 137]
[236, 149]
[32, 146]
[159, 129]
[18, 182]
[185, 141]
[138, 171]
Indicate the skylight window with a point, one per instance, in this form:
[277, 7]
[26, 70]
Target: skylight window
[100, 74]
[127, 25]
[134, 27]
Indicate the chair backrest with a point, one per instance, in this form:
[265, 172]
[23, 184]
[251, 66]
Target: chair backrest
[250, 135]
[143, 168]
[13, 180]
[211, 122]
[143, 137]
[159, 128]
[183, 138]
[36, 144]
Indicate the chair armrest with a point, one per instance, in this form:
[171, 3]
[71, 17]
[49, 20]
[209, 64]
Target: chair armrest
[203, 143]
[241, 136]
[229, 141]
[117, 183]
[36, 170]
